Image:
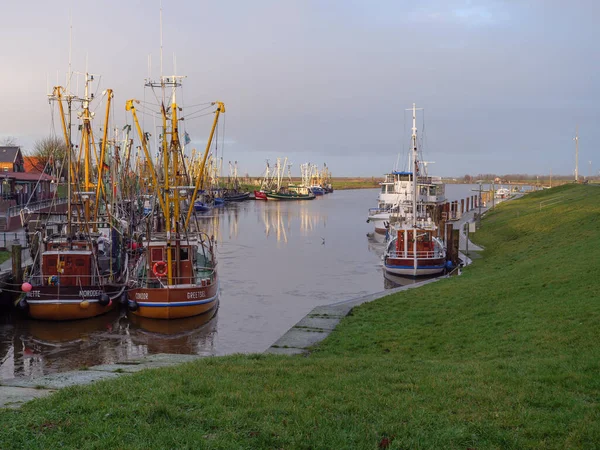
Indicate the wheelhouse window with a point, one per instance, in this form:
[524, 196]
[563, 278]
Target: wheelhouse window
[157, 254]
[184, 254]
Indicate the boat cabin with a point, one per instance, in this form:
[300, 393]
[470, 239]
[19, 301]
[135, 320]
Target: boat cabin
[67, 268]
[425, 248]
[182, 263]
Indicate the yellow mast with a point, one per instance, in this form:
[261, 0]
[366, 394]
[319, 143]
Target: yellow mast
[109, 95]
[130, 107]
[199, 178]
[86, 132]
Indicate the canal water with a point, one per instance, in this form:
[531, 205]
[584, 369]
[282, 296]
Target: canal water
[277, 261]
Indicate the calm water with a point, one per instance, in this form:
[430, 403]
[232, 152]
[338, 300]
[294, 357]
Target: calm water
[277, 261]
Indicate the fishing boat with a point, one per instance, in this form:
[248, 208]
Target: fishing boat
[175, 274]
[236, 196]
[414, 247]
[233, 191]
[260, 195]
[201, 206]
[502, 192]
[278, 191]
[288, 194]
[317, 190]
[396, 197]
[79, 262]
[265, 184]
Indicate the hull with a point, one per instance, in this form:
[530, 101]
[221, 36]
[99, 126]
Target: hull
[379, 222]
[274, 196]
[69, 302]
[237, 197]
[175, 302]
[201, 207]
[406, 266]
[258, 195]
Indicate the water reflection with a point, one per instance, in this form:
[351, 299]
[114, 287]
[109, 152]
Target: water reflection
[192, 335]
[276, 262]
[31, 348]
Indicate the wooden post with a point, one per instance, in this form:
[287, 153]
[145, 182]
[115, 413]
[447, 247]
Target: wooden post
[455, 242]
[462, 205]
[16, 262]
[448, 239]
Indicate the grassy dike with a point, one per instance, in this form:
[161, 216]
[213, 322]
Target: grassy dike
[505, 356]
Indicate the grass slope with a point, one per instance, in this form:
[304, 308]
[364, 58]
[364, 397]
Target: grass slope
[505, 356]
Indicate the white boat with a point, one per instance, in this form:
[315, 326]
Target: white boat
[502, 192]
[414, 247]
[396, 196]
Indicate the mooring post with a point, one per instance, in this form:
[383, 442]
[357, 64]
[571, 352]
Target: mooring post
[16, 261]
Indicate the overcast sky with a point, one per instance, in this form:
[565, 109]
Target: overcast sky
[503, 83]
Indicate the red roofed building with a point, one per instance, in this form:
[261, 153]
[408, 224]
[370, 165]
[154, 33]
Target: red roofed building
[32, 164]
[18, 187]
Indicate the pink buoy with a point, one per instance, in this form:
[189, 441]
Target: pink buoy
[26, 287]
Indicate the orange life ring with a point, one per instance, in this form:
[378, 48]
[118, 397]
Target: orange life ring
[159, 268]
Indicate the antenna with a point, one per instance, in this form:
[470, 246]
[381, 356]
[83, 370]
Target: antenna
[70, 50]
[161, 42]
[577, 153]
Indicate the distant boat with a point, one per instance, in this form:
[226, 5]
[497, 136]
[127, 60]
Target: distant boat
[289, 195]
[502, 192]
[317, 190]
[236, 196]
[201, 206]
[260, 195]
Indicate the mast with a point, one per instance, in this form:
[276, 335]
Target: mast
[414, 164]
[414, 177]
[109, 95]
[576, 139]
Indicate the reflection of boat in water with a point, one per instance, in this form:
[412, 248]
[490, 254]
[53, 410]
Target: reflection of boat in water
[391, 281]
[52, 333]
[191, 335]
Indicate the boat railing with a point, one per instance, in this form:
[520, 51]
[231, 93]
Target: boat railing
[382, 210]
[420, 254]
[64, 280]
[204, 276]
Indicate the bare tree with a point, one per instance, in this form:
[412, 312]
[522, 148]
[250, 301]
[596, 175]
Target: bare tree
[8, 141]
[49, 156]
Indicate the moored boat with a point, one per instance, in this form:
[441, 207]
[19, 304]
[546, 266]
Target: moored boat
[289, 196]
[415, 251]
[260, 195]
[79, 262]
[175, 275]
[236, 196]
[414, 247]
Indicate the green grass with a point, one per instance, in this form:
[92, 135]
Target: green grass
[504, 356]
[4, 256]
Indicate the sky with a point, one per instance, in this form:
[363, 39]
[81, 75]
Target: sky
[503, 84]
